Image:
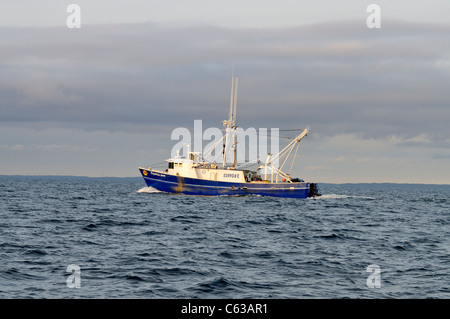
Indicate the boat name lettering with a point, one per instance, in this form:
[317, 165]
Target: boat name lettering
[157, 174]
[228, 175]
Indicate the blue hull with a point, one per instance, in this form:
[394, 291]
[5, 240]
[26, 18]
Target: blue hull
[194, 186]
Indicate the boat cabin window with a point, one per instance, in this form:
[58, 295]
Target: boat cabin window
[170, 164]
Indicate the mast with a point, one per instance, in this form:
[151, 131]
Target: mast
[234, 123]
[230, 124]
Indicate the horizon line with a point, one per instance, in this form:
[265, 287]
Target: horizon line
[139, 177]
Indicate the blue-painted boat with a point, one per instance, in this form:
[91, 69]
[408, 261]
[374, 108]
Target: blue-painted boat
[191, 175]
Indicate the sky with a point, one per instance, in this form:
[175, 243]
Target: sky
[103, 99]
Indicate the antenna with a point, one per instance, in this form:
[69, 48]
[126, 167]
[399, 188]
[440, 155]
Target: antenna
[235, 100]
[230, 117]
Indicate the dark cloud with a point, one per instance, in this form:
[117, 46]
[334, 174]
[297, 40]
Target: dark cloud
[337, 77]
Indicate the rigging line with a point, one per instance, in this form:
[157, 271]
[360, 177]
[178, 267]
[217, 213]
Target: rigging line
[293, 160]
[218, 154]
[159, 163]
[280, 137]
[284, 151]
[214, 146]
[287, 157]
[249, 164]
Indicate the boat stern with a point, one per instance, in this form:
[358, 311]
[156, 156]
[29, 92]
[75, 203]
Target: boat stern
[314, 190]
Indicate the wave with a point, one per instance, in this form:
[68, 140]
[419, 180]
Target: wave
[148, 190]
[339, 196]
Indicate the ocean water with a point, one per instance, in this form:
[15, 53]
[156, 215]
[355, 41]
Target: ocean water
[129, 241]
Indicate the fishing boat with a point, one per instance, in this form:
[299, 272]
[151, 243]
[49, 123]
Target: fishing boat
[193, 175]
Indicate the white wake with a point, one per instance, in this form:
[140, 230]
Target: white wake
[337, 196]
[148, 190]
